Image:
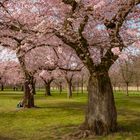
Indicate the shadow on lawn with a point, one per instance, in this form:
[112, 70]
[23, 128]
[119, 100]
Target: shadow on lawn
[131, 126]
[72, 108]
[131, 123]
[6, 138]
[65, 105]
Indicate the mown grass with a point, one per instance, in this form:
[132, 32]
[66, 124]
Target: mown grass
[57, 116]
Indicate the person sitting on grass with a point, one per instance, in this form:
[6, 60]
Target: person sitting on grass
[20, 104]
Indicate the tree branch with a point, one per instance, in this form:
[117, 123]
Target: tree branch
[81, 29]
[73, 3]
[117, 21]
[113, 26]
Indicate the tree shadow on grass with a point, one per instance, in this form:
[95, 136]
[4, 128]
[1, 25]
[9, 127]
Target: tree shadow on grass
[128, 127]
[63, 105]
[131, 121]
[72, 108]
[131, 126]
[6, 138]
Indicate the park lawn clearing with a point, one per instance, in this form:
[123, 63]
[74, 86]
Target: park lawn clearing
[57, 116]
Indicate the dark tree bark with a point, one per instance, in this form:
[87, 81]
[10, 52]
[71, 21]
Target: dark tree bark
[69, 92]
[2, 87]
[101, 116]
[14, 88]
[29, 83]
[48, 88]
[33, 82]
[47, 84]
[60, 87]
[28, 99]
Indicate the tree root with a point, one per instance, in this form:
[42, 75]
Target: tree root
[80, 134]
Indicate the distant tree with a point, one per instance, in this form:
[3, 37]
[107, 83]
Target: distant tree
[136, 67]
[127, 72]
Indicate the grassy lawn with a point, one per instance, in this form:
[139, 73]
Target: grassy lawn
[57, 116]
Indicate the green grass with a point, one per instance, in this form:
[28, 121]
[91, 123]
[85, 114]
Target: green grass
[57, 116]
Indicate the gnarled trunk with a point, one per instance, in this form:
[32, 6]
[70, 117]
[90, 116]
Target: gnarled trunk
[29, 86]
[33, 82]
[28, 99]
[29, 91]
[101, 116]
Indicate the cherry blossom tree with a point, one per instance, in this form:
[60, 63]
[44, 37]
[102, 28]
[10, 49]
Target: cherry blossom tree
[2, 75]
[116, 76]
[47, 77]
[69, 66]
[45, 65]
[127, 72]
[98, 32]
[81, 79]
[14, 79]
[18, 20]
[136, 79]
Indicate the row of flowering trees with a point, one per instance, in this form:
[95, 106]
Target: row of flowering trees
[124, 74]
[93, 33]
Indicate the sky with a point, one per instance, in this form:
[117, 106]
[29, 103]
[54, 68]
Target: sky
[7, 54]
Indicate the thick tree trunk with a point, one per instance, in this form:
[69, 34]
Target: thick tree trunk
[101, 116]
[47, 88]
[28, 99]
[29, 87]
[14, 88]
[2, 87]
[69, 93]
